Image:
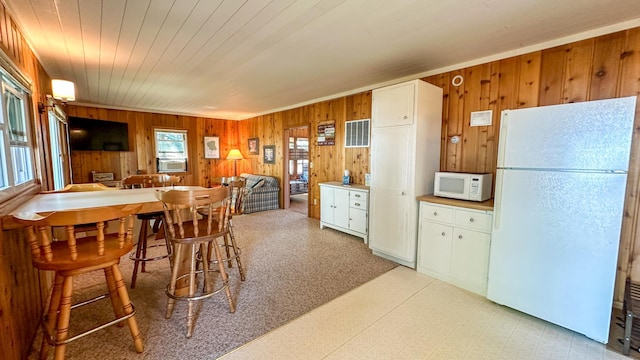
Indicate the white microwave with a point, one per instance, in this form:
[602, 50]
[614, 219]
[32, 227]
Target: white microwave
[463, 186]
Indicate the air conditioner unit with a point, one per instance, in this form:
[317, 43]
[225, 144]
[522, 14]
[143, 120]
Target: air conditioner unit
[173, 165]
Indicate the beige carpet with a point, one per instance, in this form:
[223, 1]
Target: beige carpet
[299, 203]
[292, 267]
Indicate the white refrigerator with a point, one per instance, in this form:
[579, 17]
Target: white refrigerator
[559, 197]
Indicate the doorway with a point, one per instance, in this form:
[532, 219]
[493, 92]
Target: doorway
[59, 155]
[296, 192]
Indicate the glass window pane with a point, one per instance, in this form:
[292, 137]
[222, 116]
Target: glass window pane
[171, 144]
[4, 182]
[21, 161]
[15, 113]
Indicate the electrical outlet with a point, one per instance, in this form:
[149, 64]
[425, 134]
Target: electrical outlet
[310, 164]
[315, 201]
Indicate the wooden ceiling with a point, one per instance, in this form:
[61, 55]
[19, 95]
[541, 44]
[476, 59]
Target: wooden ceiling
[235, 59]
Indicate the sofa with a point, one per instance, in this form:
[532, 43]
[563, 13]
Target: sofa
[261, 193]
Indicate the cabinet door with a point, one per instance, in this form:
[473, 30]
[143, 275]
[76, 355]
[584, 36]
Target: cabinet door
[393, 105]
[326, 204]
[435, 247]
[390, 196]
[341, 207]
[358, 220]
[470, 259]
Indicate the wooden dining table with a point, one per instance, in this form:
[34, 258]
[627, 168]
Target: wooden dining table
[49, 202]
[94, 199]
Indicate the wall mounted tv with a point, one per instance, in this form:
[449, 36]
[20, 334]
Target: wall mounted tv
[98, 135]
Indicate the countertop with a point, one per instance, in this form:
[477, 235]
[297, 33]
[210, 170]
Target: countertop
[350, 186]
[485, 205]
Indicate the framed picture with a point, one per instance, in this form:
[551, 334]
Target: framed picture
[269, 154]
[211, 147]
[254, 146]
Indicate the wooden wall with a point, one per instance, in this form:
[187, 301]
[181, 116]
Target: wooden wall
[327, 163]
[23, 290]
[602, 67]
[141, 155]
[598, 68]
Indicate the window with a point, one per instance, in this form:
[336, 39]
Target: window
[171, 150]
[299, 157]
[16, 154]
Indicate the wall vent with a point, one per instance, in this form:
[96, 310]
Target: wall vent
[357, 133]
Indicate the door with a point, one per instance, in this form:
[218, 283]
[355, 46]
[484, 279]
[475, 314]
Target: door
[588, 135]
[554, 246]
[435, 247]
[393, 106]
[341, 207]
[59, 153]
[326, 204]
[391, 158]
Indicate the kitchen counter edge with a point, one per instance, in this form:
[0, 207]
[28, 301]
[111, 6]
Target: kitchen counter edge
[485, 205]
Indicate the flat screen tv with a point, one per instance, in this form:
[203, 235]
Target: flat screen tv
[98, 135]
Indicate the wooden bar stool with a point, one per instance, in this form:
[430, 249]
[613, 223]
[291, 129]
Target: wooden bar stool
[193, 237]
[140, 255]
[236, 186]
[74, 256]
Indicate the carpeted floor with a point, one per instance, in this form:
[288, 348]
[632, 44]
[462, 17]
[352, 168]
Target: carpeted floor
[292, 267]
[299, 203]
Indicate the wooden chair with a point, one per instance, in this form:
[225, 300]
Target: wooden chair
[237, 188]
[193, 238]
[140, 255]
[76, 256]
[236, 185]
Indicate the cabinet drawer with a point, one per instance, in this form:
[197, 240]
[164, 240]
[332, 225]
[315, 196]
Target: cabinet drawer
[358, 195]
[473, 220]
[358, 204]
[437, 213]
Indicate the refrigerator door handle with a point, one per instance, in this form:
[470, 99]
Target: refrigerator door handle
[502, 138]
[497, 201]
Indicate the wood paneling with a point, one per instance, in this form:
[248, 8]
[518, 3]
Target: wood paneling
[23, 290]
[603, 67]
[141, 157]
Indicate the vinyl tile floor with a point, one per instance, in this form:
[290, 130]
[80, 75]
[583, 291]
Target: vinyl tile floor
[407, 315]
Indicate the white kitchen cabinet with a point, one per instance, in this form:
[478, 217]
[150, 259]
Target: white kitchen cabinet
[405, 154]
[344, 208]
[453, 245]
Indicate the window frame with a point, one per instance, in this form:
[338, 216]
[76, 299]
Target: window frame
[11, 186]
[169, 165]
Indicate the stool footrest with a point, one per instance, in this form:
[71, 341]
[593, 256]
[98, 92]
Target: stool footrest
[132, 255]
[51, 339]
[200, 294]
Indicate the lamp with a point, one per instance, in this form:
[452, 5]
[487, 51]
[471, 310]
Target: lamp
[235, 155]
[62, 90]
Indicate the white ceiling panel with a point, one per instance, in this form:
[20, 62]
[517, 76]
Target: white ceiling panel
[234, 59]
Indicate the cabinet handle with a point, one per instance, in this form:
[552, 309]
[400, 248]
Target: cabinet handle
[356, 204]
[435, 213]
[405, 117]
[443, 234]
[459, 236]
[471, 220]
[357, 195]
[404, 193]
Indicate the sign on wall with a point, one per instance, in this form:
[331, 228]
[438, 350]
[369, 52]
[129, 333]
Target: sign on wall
[327, 133]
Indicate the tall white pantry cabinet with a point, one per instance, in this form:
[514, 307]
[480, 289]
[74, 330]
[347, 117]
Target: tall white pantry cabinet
[405, 154]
